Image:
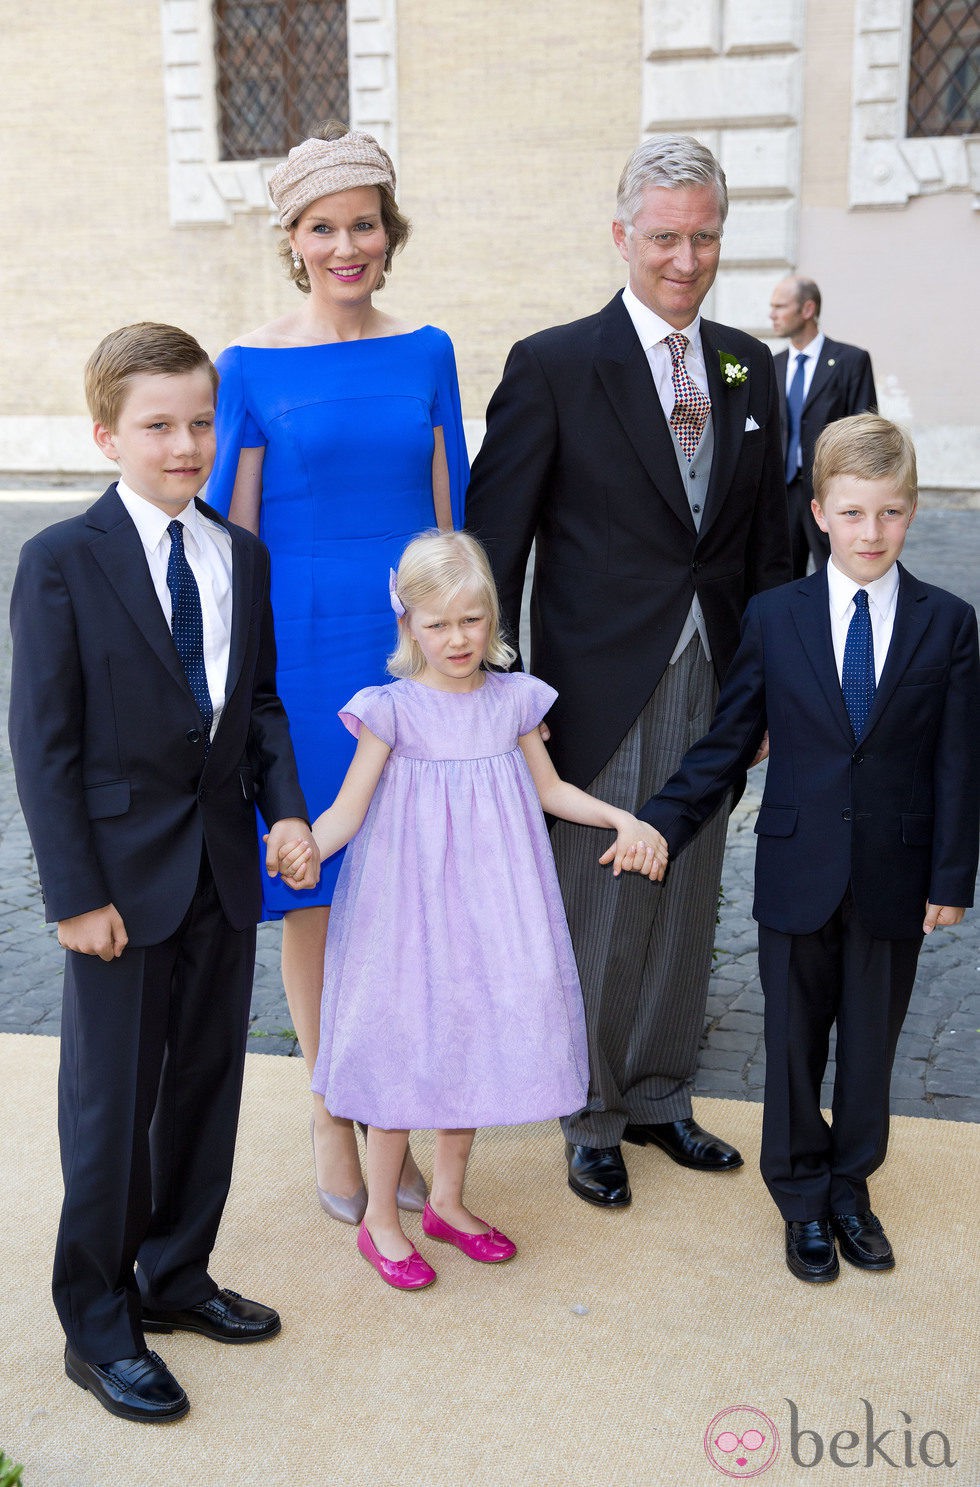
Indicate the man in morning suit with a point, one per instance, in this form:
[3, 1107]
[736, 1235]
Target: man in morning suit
[868, 682]
[639, 450]
[144, 728]
[821, 381]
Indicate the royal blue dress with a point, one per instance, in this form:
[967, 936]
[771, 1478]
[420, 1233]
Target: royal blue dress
[346, 482]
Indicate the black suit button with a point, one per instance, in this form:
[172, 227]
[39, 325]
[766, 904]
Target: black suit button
[695, 566]
[695, 508]
[857, 758]
[193, 735]
[845, 815]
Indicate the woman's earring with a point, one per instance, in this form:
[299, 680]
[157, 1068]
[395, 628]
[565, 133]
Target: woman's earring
[297, 261]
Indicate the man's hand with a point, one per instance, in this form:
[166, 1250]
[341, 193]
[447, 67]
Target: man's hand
[762, 751]
[100, 932]
[939, 916]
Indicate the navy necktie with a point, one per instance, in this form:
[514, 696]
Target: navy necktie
[858, 672]
[187, 624]
[794, 417]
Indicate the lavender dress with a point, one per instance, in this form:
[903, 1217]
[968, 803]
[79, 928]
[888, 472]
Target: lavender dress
[451, 996]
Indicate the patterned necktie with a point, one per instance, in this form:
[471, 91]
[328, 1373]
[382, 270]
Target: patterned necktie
[187, 623]
[794, 417]
[858, 672]
[691, 407]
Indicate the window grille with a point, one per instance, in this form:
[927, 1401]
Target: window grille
[281, 68]
[944, 69]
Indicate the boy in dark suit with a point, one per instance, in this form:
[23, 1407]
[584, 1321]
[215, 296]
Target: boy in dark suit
[869, 684]
[144, 727]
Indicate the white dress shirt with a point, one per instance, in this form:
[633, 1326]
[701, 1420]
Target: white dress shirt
[652, 332]
[811, 354]
[207, 547]
[882, 598]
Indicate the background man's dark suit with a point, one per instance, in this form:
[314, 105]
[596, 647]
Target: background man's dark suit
[579, 459]
[843, 384]
[123, 806]
[891, 821]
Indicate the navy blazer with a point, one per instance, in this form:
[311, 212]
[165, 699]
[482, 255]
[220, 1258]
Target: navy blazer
[842, 384]
[896, 813]
[578, 460]
[108, 741]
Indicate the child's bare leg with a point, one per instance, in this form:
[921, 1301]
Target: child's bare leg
[448, 1176]
[304, 938]
[385, 1155]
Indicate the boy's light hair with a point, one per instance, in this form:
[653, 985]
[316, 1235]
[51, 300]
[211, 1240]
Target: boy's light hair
[869, 447]
[123, 354]
[435, 569]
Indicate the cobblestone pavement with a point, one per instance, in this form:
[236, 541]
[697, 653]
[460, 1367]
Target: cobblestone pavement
[937, 1071]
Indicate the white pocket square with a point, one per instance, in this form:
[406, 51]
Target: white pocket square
[750, 424]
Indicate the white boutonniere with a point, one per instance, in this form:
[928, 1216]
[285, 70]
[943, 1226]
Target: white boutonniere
[732, 371]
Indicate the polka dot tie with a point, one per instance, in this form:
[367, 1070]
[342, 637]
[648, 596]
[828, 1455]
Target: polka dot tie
[858, 672]
[691, 407]
[187, 624]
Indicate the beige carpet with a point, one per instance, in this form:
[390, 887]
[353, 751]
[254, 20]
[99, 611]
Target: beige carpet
[501, 1376]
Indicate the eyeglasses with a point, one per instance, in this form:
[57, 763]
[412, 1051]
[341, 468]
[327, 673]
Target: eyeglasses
[703, 244]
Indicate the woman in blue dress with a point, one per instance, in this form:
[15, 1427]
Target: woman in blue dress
[339, 437]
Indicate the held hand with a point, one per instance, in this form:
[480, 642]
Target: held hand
[100, 932]
[291, 850]
[638, 848]
[939, 916]
[544, 731]
[763, 750]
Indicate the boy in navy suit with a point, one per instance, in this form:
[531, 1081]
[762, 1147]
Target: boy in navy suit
[868, 682]
[144, 727]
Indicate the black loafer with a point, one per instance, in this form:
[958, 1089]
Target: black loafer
[810, 1250]
[689, 1144]
[140, 1388]
[598, 1174]
[863, 1242]
[226, 1317]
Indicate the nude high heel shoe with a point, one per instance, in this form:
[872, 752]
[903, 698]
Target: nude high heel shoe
[346, 1210]
[411, 1197]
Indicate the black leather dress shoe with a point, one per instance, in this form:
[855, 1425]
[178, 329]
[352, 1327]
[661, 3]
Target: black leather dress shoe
[810, 1250]
[689, 1144]
[598, 1174]
[140, 1388]
[227, 1317]
[862, 1240]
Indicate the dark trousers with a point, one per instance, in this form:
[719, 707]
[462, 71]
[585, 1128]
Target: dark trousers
[152, 1058]
[838, 974]
[805, 537]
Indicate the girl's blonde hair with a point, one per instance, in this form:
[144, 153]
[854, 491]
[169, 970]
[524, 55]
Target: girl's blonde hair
[435, 569]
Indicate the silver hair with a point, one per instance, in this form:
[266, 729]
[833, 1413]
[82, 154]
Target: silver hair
[668, 160]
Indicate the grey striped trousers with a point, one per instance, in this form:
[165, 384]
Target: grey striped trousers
[644, 949]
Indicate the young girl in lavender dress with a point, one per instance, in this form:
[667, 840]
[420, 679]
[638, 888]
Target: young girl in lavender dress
[451, 998]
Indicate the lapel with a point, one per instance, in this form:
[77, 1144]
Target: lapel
[119, 553]
[242, 573]
[913, 614]
[729, 411]
[824, 370]
[622, 368]
[811, 616]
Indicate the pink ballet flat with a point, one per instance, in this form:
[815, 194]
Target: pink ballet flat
[405, 1275]
[489, 1248]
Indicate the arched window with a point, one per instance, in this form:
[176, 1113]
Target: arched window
[944, 68]
[280, 68]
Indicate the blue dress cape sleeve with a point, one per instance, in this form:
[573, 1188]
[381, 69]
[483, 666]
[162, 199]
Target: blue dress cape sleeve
[535, 698]
[447, 413]
[235, 429]
[375, 708]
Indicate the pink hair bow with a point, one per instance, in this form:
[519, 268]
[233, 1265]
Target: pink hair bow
[396, 603]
